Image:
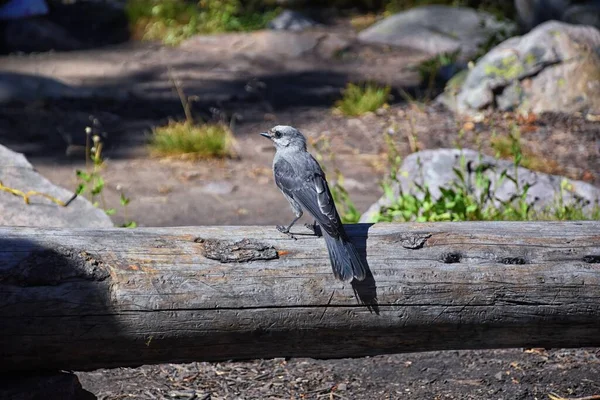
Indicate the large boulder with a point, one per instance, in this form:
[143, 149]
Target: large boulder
[434, 168]
[436, 29]
[554, 68]
[17, 173]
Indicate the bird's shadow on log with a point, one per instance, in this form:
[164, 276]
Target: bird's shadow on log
[365, 290]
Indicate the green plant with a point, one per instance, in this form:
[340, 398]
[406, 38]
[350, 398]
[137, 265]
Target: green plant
[172, 21]
[189, 139]
[91, 184]
[124, 201]
[472, 197]
[360, 99]
[210, 140]
[456, 202]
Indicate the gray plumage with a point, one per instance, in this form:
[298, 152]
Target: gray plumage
[302, 181]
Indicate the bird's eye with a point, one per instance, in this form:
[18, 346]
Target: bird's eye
[277, 134]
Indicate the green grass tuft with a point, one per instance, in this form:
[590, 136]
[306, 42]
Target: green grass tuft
[360, 99]
[192, 140]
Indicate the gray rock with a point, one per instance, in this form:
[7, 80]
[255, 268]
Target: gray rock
[434, 168]
[218, 188]
[554, 68]
[436, 29]
[16, 172]
[291, 21]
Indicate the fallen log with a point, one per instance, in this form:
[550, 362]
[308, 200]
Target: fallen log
[80, 299]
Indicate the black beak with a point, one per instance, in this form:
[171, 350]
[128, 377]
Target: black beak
[266, 134]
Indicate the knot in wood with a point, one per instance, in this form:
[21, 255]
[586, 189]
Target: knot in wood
[451, 258]
[412, 240]
[245, 250]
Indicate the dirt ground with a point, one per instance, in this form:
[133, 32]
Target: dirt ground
[492, 374]
[240, 191]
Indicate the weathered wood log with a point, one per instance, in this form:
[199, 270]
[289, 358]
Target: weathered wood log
[84, 299]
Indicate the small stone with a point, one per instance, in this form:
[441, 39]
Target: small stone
[592, 117]
[219, 187]
[479, 117]
[342, 387]
[187, 176]
[499, 376]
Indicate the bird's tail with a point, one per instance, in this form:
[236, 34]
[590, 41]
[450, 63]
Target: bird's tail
[345, 261]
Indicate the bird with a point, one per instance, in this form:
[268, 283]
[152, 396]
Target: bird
[302, 181]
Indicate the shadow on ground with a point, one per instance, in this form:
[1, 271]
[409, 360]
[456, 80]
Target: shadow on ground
[49, 118]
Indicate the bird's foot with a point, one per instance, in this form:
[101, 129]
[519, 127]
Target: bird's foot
[285, 231]
[314, 228]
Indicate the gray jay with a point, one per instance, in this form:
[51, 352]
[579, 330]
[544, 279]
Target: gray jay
[302, 181]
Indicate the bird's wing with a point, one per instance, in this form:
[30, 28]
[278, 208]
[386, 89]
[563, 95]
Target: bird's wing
[309, 188]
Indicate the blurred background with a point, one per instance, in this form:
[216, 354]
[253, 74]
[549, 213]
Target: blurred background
[417, 110]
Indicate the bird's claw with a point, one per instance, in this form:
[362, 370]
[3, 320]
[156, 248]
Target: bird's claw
[314, 228]
[285, 231]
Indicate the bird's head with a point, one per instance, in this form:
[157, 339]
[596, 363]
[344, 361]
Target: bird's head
[284, 136]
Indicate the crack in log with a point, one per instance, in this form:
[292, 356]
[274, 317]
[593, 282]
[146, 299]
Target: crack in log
[513, 260]
[527, 302]
[242, 251]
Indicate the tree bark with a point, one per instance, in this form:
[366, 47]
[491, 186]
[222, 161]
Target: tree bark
[80, 299]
